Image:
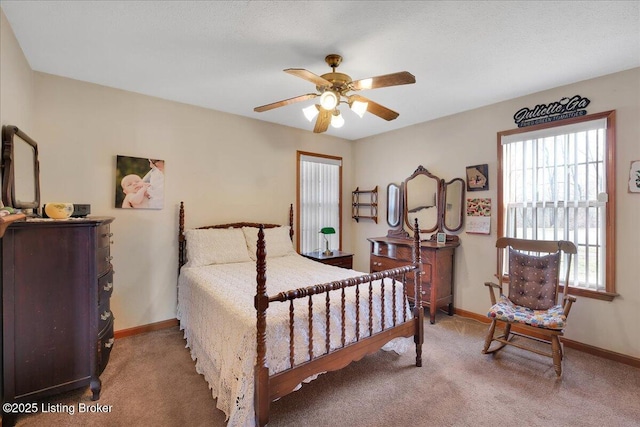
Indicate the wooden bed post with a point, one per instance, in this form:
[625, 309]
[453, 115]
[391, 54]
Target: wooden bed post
[261, 302]
[181, 240]
[291, 222]
[418, 311]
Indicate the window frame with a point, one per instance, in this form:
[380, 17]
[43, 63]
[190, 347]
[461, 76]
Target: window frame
[610, 212]
[298, 234]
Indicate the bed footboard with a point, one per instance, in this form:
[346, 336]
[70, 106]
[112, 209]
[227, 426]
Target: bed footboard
[269, 388]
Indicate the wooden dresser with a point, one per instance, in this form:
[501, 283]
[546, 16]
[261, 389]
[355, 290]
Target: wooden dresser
[437, 268]
[57, 326]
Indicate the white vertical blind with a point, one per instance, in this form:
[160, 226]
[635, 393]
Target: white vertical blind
[319, 201]
[554, 184]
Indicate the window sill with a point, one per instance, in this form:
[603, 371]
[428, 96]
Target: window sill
[604, 296]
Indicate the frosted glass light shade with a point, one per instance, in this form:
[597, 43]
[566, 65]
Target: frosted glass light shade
[359, 107]
[329, 100]
[337, 120]
[310, 112]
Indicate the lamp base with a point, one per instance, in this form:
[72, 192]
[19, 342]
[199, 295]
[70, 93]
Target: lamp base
[327, 252]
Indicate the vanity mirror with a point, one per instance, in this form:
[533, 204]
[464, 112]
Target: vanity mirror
[421, 200]
[453, 204]
[393, 205]
[437, 204]
[20, 170]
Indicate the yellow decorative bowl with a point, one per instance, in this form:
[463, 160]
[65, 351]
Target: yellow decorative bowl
[58, 210]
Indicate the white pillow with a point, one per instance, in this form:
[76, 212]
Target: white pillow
[215, 246]
[278, 242]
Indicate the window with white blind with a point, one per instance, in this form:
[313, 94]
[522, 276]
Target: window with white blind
[556, 182]
[319, 195]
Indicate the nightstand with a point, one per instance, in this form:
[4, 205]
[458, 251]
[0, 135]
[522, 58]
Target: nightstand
[337, 258]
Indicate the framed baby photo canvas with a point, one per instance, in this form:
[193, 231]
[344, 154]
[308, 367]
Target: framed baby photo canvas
[139, 183]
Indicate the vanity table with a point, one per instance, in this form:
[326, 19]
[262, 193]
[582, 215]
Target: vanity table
[437, 205]
[437, 268]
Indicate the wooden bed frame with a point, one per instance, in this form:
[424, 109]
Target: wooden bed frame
[271, 387]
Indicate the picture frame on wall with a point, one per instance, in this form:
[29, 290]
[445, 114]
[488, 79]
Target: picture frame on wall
[478, 177]
[139, 183]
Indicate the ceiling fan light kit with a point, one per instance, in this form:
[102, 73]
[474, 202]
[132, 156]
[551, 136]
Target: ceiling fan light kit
[329, 100]
[336, 119]
[333, 87]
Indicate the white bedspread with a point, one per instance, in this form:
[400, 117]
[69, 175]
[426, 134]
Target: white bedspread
[216, 311]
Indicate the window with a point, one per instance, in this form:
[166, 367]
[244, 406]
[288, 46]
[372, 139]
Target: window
[557, 182]
[319, 196]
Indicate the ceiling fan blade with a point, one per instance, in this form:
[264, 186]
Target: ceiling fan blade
[322, 123]
[375, 108]
[284, 102]
[308, 76]
[395, 79]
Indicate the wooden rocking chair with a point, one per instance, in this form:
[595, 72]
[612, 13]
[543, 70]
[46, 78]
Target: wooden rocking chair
[532, 302]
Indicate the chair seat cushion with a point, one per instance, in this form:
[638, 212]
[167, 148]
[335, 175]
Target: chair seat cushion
[507, 311]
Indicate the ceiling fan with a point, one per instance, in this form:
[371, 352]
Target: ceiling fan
[334, 89]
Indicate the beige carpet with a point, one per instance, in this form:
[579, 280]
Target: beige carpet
[151, 381]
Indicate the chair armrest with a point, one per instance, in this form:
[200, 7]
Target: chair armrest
[492, 294]
[568, 301]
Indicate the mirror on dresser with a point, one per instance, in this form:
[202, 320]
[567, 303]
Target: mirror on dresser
[453, 205]
[395, 211]
[437, 204]
[20, 171]
[421, 200]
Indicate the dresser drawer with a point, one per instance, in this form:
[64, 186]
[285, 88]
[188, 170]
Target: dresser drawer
[105, 344]
[105, 317]
[103, 251]
[379, 263]
[426, 291]
[344, 262]
[105, 287]
[103, 260]
[104, 235]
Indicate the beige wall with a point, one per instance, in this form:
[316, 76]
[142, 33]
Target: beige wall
[447, 145]
[16, 81]
[224, 167]
[228, 168]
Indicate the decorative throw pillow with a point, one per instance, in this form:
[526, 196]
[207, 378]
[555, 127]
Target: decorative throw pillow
[215, 246]
[278, 242]
[532, 279]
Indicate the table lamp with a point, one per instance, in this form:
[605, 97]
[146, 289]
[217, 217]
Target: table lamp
[325, 231]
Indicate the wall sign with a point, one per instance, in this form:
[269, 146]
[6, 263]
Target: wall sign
[566, 108]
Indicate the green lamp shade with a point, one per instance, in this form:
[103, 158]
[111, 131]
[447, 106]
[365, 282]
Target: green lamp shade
[328, 230]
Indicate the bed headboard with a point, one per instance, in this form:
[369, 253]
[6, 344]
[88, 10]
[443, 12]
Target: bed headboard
[182, 240]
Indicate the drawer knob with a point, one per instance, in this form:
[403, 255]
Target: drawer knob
[109, 343]
[108, 286]
[105, 315]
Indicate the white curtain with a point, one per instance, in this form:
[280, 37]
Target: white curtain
[319, 202]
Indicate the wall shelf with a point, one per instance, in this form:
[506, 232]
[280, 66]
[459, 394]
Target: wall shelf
[364, 204]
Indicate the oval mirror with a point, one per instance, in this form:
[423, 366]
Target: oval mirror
[421, 191]
[453, 204]
[393, 205]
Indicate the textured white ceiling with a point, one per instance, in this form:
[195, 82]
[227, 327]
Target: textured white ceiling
[229, 55]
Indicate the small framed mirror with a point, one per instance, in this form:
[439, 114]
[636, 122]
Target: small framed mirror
[453, 204]
[20, 170]
[393, 205]
[421, 198]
